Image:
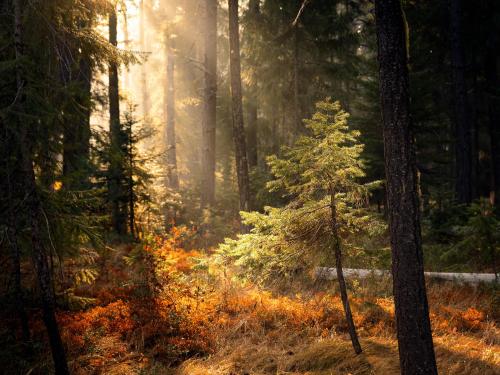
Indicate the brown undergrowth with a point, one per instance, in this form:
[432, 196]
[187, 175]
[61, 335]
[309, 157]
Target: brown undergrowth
[190, 321]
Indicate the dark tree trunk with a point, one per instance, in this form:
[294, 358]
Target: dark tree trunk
[237, 107]
[18, 291]
[492, 81]
[252, 134]
[12, 226]
[209, 106]
[33, 210]
[340, 276]
[116, 172]
[42, 266]
[416, 351]
[461, 108]
[13, 185]
[173, 177]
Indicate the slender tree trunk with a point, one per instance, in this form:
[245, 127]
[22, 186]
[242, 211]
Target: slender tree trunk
[237, 106]
[130, 182]
[252, 133]
[142, 44]
[116, 173]
[173, 177]
[461, 107]
[296, 85]
[340, 276]
[416, 351]
[209, 105]
[33, 210]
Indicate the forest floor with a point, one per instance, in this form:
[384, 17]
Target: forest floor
[202, 322]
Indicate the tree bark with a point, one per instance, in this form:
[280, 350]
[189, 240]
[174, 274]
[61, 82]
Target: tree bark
[173, 177]
[130, 178]
[416, 351]
[209, 106]
[116, 172]
[492, 81]
[33, 210]
[252, 133]
[340, 276]
[237, 107]
[461, 108]
[12, 226]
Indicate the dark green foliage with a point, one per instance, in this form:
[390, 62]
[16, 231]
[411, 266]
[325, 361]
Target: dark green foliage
[462, 238]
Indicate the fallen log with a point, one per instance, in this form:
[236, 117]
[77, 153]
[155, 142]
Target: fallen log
[328, 273]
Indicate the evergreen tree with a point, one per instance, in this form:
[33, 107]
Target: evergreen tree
[320, 176]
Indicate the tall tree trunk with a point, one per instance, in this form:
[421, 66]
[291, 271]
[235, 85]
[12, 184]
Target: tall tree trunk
[12, 234]
[130, 184]
[461, 108]
[116, 173]
[209, 105]
[173, 177]
[252, 133]
[42, 266]
[252, 130]
[33, 210]
[340, 276]
[237, 107]
[492, 81]
[416, 350]
[142, 45]
[296, 85]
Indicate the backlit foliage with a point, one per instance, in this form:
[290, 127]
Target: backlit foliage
[197, 313]
[284, 241]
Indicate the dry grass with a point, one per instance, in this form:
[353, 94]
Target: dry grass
[207, 325]
[455, 355]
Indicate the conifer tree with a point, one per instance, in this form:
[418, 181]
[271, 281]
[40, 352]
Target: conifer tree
[321, 176]
[325, 167]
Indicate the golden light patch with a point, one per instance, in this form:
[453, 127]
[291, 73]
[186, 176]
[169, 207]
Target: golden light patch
[57, 185]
